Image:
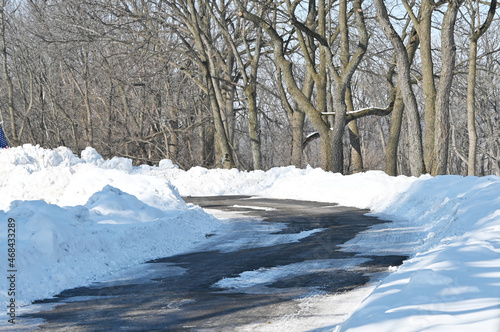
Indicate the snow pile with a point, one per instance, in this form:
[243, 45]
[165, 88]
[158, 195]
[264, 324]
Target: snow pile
[363, 190]
[80, 219]
[60, 177]
[452, 281]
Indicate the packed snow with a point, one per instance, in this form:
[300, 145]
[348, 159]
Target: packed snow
[73, 213]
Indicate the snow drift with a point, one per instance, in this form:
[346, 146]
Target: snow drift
[78, 219]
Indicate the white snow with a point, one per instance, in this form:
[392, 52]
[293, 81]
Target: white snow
[237, 232]
[265, 276]
[72, 214]
[254, 207]
[80, 219]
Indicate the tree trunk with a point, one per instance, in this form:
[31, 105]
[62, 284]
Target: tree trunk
[356, 157]
[320, 77]
[224, 149]
[297, 120]
[14, 139]
[88, 123]
[253, 124]
[416, 157]
[471, 110]
[173, 124]
[228, 94]
[442, 125]
[337, 153]
[326, 142]
[391, 151]
[471, 84]
[354, 139]
[253, 115]
[423, 26]
[425, 35]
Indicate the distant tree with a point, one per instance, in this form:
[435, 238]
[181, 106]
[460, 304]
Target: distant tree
[477, 30]
[330, 127]
[245, 46]
[437, 99]
[14, 136]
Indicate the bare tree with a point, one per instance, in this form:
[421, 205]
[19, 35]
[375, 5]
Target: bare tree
[236, 32]
[442, 113]
[436, 98]
[477, 30]
[200, 83]
[331, 133]
[404, 79]
[14, 137]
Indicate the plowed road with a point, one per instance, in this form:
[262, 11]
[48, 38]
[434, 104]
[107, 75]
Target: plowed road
[267, 265]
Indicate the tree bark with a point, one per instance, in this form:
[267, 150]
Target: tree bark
[223, 147]
[228, 93]
[471, 110]
[88, 123]
[354, 139]
[391, 151]
[425, 34]
[14, 139]
[253, 125]
[416, 157]
[297, 120]
[251, 93]
[356, 156]
[423, 26]
[442, 124]
[296, 117]
[471, 83]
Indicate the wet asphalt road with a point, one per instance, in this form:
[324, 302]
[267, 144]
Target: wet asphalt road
[178, 292]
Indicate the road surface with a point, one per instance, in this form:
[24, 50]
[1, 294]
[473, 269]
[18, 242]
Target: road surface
[264, 266]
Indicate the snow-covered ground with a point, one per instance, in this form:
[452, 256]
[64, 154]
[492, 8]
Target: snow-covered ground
[72, 214]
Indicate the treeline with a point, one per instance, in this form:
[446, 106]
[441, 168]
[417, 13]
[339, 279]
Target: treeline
[408, 87]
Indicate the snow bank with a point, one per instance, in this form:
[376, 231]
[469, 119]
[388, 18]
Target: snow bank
[373, 189]
[451, 282]
[78, 219]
